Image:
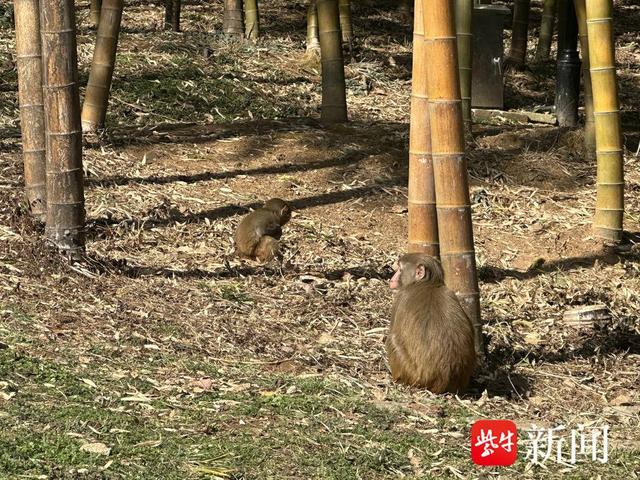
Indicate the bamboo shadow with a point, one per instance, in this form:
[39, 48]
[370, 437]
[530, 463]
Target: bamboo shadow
[349, 158]
[97, 227]
[500, 380]
[194, 133]
[609, 256]
[108, 266]
[602, 340]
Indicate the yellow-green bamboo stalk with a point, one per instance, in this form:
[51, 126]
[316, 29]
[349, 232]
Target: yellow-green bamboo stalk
[463, 12]
[232, 23]
[449, 163]
[334, 98]
[546, 30]
[94, 12]
[251, 19]
[609, 214]
[422, 217]
[589, 126]
[313, 41]
[65, 177]
[346, 26]
[29, 63]
[94, 109]
[519, 32]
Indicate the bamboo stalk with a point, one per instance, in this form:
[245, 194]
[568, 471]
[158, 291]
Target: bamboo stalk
[168, 13]
[404, 9]
[29, 63]
[172, 15]
[232, 24]
[609, 214]
[313, 41]
[334, 97]
[94, 109]
[65, 188]
[589, 126]
[94, 11]
[449, 163]
[519, 32]
[346, 26]
[251, 19]
[567, 66]
[422, 219]
[546, 30]
[463, 12]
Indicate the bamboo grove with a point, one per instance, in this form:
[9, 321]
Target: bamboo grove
[439, 210]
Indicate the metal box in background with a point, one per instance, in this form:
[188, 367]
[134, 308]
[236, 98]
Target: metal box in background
[487, 89]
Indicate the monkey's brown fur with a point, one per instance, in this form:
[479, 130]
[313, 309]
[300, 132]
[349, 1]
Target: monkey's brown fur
[258, 234]
[431, 340]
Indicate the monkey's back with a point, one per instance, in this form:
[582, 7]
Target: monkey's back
[252, 228]
[431, 338]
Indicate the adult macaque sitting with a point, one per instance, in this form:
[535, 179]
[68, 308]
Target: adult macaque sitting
[431, 339]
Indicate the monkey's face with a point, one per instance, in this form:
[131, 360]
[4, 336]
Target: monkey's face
[406, 274]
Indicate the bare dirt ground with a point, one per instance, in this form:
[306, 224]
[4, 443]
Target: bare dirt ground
[163, 356]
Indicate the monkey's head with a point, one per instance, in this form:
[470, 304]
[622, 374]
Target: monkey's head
[280, 208]
[416, 267]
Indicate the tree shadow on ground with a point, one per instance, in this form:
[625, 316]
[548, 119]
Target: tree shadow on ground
[96, 228]
[191, 133]
[500, 380]
[604, 339]
[608, 255]
[349, 158]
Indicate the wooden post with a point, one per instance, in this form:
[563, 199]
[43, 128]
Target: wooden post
[65, 187]
[519, 32]
[96, 99]
[313, 41]
[232, 24]
[334, 98]
[546, 30]
[608, 219]
[422, 219]
[567, 66]
[449, 163]
[463, 13]
[589, 126]
[29, 62]
[251, 19]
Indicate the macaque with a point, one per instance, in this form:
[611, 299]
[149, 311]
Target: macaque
[431, 339]
[258, 233]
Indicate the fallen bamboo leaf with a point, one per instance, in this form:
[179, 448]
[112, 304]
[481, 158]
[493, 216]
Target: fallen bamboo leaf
[97, 448]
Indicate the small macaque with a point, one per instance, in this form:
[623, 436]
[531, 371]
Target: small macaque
[431, 339]
[259, 232]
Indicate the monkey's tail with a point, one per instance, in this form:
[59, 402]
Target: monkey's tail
[267, 249]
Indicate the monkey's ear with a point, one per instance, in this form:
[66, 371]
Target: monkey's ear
[421, 271]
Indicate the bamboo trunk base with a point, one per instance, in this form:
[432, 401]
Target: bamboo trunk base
[233, 22]
[29, 63]
[608, 219]
[334, 101]
[65, 176]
